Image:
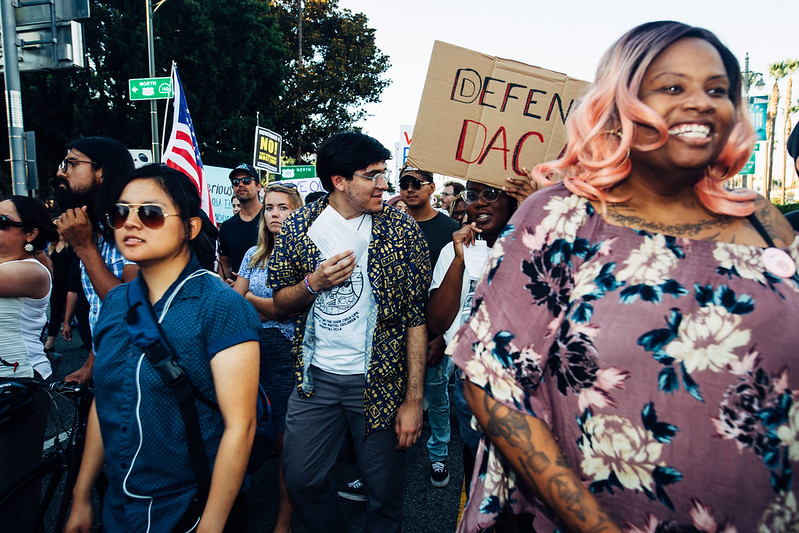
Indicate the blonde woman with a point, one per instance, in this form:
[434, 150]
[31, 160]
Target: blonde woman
[277, 370]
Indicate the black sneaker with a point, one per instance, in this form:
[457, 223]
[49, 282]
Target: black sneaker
[355, 491]
[439, 474]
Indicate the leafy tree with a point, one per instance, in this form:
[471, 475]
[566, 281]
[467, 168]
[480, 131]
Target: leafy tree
[237, 59]
[335, 67]
[231, 59]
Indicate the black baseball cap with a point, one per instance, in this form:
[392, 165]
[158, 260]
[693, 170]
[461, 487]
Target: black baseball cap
[245, 169]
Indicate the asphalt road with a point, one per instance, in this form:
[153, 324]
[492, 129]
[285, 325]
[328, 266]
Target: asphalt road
[426, 509]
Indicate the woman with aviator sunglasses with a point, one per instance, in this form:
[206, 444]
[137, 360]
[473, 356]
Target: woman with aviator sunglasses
[25, 284]
[135, 425]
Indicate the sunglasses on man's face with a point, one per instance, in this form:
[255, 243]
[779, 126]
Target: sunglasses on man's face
[411, 181]
[245, 181]
[151, 215]
[6, 222]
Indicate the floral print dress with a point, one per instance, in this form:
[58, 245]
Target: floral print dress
[666, 368]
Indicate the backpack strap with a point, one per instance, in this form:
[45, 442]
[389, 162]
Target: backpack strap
[761, 230]
[146, 333]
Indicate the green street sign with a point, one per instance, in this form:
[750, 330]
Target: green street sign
[749, 168]
[298, 172]
[149, 88]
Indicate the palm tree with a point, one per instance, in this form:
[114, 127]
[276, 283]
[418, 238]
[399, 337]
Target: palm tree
[791, 66]
[776, 71]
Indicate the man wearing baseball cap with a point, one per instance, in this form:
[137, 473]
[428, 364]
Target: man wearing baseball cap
[239, 233]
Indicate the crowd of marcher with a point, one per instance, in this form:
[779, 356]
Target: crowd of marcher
[615, 339]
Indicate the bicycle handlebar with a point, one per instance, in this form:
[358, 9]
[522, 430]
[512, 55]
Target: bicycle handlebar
[60, 387]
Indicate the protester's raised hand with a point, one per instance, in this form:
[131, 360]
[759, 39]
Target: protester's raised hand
[75, 226]
[333, 271]
[520, 187]
[465, 237]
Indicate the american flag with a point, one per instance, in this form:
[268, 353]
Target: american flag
[182, 152]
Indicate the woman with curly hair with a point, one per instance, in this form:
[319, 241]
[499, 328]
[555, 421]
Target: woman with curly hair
[627, 356]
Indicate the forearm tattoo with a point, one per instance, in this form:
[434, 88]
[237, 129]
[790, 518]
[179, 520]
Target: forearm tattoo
[557, 486]
[512, 427]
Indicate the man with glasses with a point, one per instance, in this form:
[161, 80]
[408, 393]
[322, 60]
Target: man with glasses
[360, 340]
[85, 180]
[416, 189]
[239, 233]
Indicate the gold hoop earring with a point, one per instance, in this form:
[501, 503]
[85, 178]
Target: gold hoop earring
[723, 176]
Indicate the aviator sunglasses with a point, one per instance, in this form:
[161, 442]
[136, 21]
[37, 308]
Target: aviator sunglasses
[152, 216]
[411, 181]
[489, 194]
[6, 222]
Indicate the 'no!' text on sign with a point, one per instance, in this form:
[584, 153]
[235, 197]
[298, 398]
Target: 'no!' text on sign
[268, 147]
[149, 88]
[484, 118]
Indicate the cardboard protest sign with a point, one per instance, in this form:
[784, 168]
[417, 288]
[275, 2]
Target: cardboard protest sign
[483, 118]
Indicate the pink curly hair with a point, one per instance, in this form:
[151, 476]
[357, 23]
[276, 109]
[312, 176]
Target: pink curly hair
[602, 127]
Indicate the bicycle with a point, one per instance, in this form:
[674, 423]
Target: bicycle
[57, 471]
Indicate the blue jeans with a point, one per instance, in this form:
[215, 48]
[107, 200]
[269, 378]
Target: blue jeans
[470, 437]
[437, 398]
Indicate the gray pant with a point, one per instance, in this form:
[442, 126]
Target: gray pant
[314, 434]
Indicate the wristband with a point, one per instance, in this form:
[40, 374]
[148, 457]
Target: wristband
[308, 285]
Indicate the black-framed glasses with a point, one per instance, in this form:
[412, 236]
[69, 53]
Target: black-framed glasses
[489, 195]
[6, 222]
[375, 175]
[72, 162]
[151, 215]
[245, 181]
[411, 181]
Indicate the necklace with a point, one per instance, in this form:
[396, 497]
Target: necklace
[363, 216]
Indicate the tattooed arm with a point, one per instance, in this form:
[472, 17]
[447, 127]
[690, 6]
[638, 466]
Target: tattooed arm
[529, 446]
[774, 222]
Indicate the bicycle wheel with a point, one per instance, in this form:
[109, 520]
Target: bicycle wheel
[27, 500]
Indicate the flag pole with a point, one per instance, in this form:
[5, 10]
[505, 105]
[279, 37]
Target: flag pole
[153, 103]
[166, 110]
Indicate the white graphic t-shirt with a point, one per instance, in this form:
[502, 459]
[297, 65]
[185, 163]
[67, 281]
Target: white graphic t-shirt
[470, 278]
[340, 315]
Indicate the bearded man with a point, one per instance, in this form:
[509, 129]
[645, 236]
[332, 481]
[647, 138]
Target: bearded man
[86, 178]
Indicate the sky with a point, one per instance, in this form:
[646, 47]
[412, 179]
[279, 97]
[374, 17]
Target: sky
[568, 36]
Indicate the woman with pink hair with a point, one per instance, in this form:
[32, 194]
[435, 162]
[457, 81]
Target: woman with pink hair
[626, 356]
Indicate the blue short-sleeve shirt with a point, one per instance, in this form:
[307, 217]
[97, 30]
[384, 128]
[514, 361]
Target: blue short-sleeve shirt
[147, 458]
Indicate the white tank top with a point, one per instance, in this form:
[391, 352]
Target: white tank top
[21, 322]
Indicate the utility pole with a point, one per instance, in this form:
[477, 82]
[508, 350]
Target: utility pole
[16, 130]
[156, 146]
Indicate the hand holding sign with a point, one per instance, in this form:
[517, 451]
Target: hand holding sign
[482, 118]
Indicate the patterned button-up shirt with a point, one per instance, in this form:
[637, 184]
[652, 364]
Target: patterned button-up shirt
[115, 262]
[399, 272]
